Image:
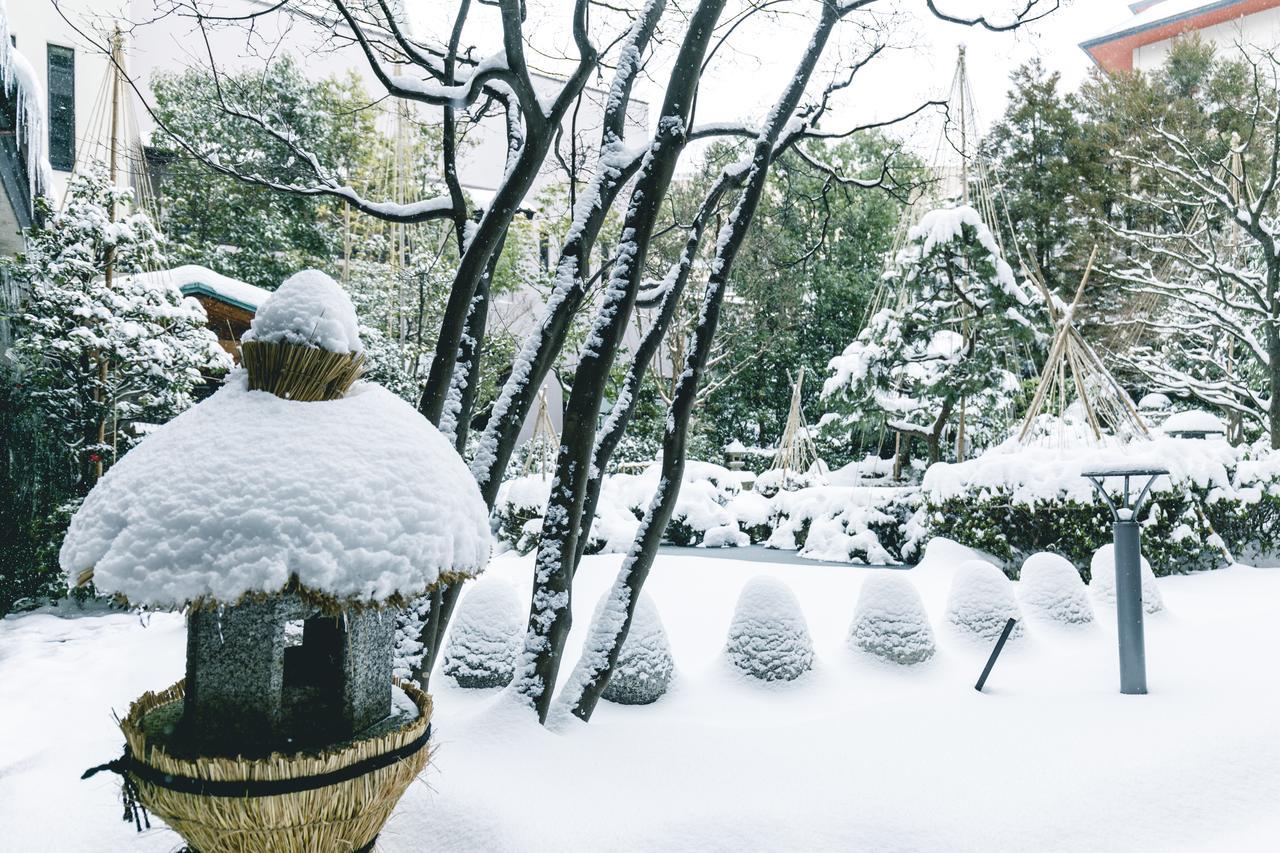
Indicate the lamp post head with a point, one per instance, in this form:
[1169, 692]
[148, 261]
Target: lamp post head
[1128, 504]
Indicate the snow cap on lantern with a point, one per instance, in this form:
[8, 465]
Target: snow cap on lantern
[357, 499]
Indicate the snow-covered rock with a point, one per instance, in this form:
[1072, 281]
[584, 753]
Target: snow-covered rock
[644, 668]
[1194, 420]
[1154, 402]
[359, 498]
[1102, 568]
[768, 638]
[981, 601]
[485, 635]
[1050, 586]
[725, 536]
[309, 309]
[890, 621]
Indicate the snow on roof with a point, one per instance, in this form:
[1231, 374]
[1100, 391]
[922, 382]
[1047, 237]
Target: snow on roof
[360, 498]
[193, 280]
[18, 77]
[1193, 420]
[1160, 13]
[309, 309]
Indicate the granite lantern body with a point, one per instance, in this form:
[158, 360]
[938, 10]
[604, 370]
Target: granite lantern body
[281, 675]
[291, 513]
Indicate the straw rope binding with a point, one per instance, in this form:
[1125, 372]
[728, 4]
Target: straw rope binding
[297, 372]
[344, 816]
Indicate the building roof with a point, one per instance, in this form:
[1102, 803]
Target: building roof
[1161, 20]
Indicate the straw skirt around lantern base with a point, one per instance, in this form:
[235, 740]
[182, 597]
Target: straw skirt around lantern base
[318, 817]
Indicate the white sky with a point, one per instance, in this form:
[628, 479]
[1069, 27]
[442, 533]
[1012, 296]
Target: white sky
[746, 77]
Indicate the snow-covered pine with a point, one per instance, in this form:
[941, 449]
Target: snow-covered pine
[1051, 587]
[981, 601]
[769, 638]
[1102, 569]
[890, 621]
[486, 633]
[645, 667]
[910, 368]
[99, 361]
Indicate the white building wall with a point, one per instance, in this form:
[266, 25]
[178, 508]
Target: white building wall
[1257, 31]
[35, 24]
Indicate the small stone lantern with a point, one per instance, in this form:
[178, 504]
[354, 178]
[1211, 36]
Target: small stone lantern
[290, 513]
[735, 455]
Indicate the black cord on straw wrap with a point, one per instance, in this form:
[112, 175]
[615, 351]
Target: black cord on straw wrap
[128, 767]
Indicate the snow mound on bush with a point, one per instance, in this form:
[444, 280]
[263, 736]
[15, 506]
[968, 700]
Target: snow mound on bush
[981, 601]
[890, 621]
[1052, 587]
[644, 667]
[768, 638]
[1103, 570]
[486, 632]
[309, 309]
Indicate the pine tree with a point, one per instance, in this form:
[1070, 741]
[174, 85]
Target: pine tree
[100, 360]
[947, 343]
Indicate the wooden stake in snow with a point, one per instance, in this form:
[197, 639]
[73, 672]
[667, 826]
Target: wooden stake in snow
[544, 443]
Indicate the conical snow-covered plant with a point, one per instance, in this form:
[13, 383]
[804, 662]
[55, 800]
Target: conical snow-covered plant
[644, 667]
[481, 651]
[1103, 586]
[768, 638]
[890, 621]
[981, 601]
[1051, 587]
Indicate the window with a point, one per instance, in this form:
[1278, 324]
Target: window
[62, 107]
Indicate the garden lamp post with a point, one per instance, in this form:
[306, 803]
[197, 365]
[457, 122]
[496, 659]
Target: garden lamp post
[1128, 554]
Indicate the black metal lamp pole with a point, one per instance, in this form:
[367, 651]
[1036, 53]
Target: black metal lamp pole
[1128, 545]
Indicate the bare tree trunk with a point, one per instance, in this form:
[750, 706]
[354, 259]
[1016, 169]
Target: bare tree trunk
[540, 350]
[592, 675]
[550, 611]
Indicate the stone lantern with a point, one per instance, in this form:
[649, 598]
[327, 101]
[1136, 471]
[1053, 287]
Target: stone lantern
[290, 513]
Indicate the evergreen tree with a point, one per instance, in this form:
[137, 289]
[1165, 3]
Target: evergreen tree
[947, 345]
[100, 358]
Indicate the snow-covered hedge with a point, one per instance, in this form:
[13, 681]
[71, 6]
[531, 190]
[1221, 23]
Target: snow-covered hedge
[769, 638]
[1218, 501]
[644, 668]
[1051, 587]
[486, 631]
[890, 621]
[981, 601]
[1103, 585]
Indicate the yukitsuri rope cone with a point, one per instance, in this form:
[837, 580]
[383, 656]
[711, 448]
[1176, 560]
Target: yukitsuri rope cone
[346, 816]
[296, 372]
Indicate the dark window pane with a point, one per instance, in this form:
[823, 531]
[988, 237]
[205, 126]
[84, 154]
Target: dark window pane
[62, 107]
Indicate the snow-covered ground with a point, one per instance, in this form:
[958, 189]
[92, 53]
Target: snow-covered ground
[856, 755]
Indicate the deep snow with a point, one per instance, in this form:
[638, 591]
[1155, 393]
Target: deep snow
[857, 755]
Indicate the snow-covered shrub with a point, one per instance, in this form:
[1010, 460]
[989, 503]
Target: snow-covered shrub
[890, 621]
[699, 508]
[768, 638]
[1051, 586]
[521, 501]
[843, 523]
[754, 513]
[775, 480]
[1015, 501]
[486, 631]
[644, 667]
[1103, 585]
[981, 601]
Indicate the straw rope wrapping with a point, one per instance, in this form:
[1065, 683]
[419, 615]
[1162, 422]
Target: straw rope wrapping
[298, 372]
[337, 818]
